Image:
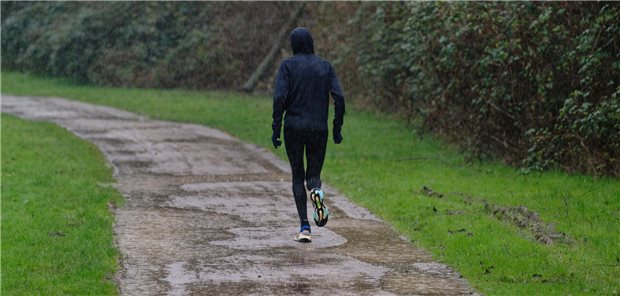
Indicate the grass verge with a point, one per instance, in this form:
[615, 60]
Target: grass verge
[470, 220]
[56, 226]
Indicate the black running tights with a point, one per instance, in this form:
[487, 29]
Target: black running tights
[314, 143]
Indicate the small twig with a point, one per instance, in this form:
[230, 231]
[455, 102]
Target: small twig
[565, 205]
[506, 248]
[596, 41]
[592, 190]
[504, 143]
[501, 110]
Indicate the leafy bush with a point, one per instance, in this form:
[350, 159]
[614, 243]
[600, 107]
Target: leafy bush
[535, 84]
[144, 44]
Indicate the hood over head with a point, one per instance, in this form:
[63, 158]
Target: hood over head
[301, 41]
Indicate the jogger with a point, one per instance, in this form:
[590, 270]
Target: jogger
[301, 93]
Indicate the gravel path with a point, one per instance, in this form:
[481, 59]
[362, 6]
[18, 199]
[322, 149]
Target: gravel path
[207, 214]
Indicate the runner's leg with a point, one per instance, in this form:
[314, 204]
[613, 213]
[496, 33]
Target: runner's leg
[315, 154]
[294, 143]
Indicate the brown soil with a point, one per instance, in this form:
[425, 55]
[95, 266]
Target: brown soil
[520, 216]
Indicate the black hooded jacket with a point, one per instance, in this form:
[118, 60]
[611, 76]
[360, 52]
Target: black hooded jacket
[303, 84]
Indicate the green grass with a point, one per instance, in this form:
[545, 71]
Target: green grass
[382, 165]
[56, 227]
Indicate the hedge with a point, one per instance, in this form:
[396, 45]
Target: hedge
[534, 84]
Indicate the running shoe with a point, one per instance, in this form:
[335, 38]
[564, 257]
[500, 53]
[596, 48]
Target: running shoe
[303, 236]
[321, 212]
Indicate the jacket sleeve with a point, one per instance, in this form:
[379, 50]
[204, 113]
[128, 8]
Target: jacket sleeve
[280, 95]
[338, 96]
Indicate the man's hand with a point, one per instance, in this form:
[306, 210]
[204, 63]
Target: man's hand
[275, 139]
[337, 137]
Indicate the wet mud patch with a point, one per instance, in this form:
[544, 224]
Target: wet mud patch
[519, 216]
[526, 219]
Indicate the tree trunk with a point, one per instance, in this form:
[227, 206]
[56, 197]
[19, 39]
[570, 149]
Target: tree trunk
[275, 48]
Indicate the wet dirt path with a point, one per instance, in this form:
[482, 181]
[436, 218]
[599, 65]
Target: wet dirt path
[207, 214]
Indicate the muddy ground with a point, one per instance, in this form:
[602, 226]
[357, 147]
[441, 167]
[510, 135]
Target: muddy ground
[207, 214]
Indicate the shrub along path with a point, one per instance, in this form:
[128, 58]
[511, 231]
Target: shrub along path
[206, 213]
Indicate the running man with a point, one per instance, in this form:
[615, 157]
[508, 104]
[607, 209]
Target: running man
[303, 84]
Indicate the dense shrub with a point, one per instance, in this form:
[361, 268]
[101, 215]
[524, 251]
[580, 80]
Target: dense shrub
[145, 44]
[536, 84]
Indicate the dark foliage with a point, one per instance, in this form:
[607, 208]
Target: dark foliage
[536, 84]
[144, 44]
